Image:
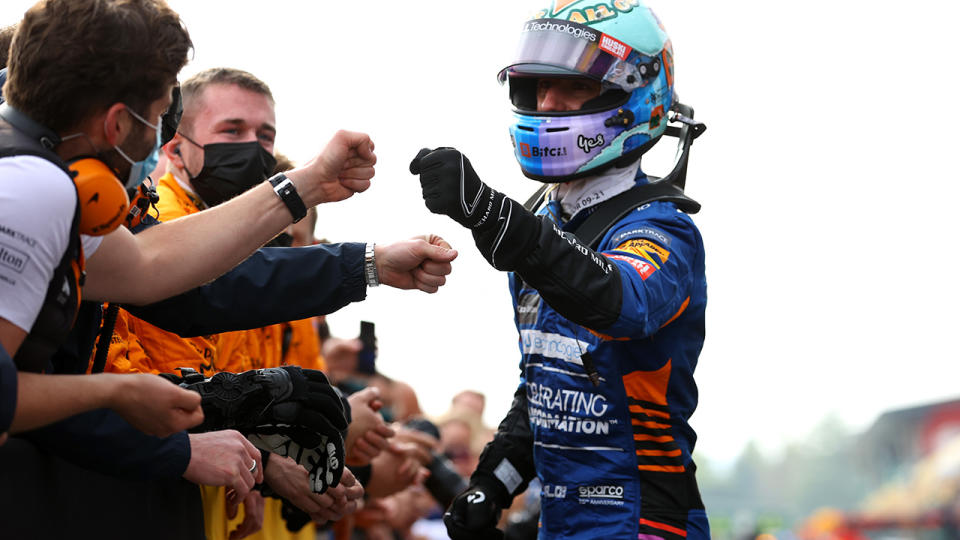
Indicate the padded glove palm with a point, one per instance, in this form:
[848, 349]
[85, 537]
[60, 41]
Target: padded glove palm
[289, 411]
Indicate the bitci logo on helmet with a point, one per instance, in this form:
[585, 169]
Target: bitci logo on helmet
[541, 151]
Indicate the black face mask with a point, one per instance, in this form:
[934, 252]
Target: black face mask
[229, 169]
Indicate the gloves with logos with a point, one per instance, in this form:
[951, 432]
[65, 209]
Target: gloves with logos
[474, 514]
[451, 187]
[289, 411]
[503, 230]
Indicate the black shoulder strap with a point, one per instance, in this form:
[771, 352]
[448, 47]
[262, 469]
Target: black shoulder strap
[37, 134]
[591, 230]
[287, 339]
[20, 135]
[534, 200]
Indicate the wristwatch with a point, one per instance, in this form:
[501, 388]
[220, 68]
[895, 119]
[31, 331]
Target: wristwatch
[370, 266]
[287, 192]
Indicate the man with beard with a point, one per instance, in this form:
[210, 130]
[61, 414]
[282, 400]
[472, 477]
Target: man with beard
[87, 86]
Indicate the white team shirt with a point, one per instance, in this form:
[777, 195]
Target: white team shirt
[37, 202]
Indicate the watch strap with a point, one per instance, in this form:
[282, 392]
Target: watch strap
[370, 266]
[287, 192]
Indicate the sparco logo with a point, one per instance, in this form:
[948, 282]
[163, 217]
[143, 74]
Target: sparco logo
[572, 29]
[542, 151]
[603, 492]
[13, 258]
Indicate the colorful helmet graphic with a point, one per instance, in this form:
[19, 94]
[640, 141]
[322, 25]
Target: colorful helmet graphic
[619, 43]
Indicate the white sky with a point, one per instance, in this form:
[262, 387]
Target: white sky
[826, 176]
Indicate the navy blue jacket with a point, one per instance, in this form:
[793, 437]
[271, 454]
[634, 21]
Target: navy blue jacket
[303, 282]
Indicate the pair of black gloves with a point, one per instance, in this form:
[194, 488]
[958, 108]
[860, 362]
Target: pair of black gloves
[288, 410]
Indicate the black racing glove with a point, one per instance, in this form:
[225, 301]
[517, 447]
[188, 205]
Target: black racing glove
[474, 514]
[503, 230]
[289, 411]
[451, 187]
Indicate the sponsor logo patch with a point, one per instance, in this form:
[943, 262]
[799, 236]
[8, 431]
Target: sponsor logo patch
[606, 492]
[554, 492]
[644, 232]
[567, 400]
[570, 28]
[541, 151]
[567, 410]
[557, 346]
[588, 143]
[643, 268]
[614, 46]
[646, 249]
[610, 495]
[528, 306]
[17, 235]
[13, 259]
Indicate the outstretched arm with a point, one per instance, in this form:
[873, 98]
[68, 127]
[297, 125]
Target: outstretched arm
[273, 285]
[149, 403]
[212, 242]
[587, 287]
[299, 283]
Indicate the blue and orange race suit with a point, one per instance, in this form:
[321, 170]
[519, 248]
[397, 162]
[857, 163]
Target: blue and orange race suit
[603, 403]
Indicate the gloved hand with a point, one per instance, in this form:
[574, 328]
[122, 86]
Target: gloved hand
[474, 514]
[289, 411]
[504, 231]
[451, 187]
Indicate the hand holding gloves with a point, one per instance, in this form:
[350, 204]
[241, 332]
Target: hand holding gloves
[289, 411]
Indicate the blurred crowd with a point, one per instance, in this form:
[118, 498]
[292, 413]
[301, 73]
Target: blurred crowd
[431, 456]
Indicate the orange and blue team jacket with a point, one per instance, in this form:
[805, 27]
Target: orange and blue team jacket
[601, 412]
[138, 346]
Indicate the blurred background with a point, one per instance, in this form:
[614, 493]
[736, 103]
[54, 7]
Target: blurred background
[830, 378]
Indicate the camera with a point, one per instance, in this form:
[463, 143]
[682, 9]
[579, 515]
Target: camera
[444, 482]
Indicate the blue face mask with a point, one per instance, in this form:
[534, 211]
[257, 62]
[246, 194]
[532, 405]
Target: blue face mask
[139, 170]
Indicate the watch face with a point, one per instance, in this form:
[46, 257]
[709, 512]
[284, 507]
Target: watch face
[287, 192]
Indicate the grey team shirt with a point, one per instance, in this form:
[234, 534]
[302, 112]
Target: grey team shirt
[37, 202]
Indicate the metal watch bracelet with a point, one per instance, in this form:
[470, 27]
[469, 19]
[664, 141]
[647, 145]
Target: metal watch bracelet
[370, 266]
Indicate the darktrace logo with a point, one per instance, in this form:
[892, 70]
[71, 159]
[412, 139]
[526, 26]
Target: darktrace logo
[12, 258]
[541, 151]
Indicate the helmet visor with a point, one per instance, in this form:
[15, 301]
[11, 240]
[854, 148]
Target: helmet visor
[558, 47]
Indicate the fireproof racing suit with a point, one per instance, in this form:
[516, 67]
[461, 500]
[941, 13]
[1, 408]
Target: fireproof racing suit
[603, 403]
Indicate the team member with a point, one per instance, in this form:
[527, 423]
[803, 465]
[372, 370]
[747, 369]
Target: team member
[31, 400]
[610, 330]
[90, 79]
[229, 126]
